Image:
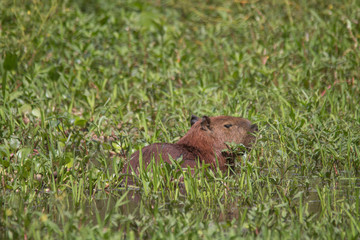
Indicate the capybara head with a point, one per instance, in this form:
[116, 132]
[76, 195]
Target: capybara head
[224, 129]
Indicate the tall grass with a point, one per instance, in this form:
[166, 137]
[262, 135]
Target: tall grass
[85, 84]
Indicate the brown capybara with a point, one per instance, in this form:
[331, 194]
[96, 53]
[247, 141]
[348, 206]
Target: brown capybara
[205, 141]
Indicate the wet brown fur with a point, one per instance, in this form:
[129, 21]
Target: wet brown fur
[204, 141]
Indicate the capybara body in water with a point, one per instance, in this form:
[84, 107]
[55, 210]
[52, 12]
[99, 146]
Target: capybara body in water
[205, 142]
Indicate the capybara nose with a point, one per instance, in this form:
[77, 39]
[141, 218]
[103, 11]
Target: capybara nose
[254, 128]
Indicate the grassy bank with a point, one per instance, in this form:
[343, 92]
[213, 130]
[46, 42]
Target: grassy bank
[84, 84]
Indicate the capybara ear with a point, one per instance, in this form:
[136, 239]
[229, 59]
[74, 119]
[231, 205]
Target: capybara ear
[254, 128]
[205, 123]
[194, 119]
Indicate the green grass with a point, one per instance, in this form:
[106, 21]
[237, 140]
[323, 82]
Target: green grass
[86, 83]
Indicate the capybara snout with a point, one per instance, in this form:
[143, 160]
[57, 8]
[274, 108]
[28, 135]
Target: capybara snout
[204, 142]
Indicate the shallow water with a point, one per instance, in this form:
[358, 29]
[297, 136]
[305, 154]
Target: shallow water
[342, 188]
[135, 204]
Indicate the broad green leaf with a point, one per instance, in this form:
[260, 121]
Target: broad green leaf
[10, 62]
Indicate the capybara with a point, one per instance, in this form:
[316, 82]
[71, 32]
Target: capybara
[205, 142]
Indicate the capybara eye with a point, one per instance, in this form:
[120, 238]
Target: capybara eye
[254, 128]
[227, 125]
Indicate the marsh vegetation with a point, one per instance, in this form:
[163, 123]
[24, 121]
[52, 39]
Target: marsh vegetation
[84, 84]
